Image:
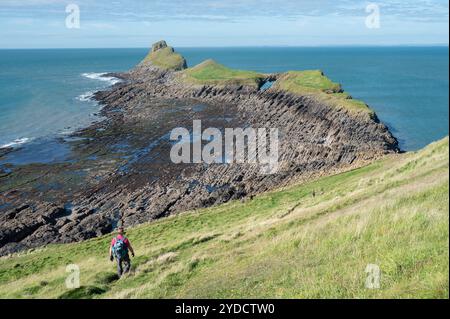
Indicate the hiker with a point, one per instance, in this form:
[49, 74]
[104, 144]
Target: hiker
[120, 245]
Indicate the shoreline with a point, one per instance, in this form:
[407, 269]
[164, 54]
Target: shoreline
[69, 133]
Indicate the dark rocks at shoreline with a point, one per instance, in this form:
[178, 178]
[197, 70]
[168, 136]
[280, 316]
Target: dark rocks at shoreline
[120, 76]
[123, 173]
[5, 150]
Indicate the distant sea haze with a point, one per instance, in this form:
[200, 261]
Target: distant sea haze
[47, 93]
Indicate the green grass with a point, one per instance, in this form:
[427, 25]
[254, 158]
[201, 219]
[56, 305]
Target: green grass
[282, 244]
[315, 84]
[210, 72]
[166, 58]
[310, 79]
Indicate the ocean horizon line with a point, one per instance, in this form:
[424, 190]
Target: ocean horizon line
[440, 45]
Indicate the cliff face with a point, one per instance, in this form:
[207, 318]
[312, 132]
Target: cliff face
[315, 138]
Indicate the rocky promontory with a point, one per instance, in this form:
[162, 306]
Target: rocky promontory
[120, 169]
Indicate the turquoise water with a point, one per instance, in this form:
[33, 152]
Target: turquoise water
[45, 93]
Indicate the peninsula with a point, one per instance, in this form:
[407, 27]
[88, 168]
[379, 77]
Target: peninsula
[119, 169]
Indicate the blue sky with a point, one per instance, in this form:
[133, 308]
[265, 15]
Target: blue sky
[137, 23]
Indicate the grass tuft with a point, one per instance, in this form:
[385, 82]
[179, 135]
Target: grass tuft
[83, 292]
[105, 278]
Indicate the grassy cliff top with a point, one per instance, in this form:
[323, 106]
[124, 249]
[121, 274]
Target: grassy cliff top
[393, 213]
[166, 58]
[210, 72]
[314, 83]
[310, 80]
[311, 83]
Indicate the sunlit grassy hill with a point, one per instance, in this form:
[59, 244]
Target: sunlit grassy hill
[315, 84]
[210, 72]
[312, 240]
[166, 58]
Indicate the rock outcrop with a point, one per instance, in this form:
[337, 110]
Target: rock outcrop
[165, 57]
[159, 45]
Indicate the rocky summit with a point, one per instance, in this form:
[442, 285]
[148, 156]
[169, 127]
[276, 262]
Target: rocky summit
[120, 171]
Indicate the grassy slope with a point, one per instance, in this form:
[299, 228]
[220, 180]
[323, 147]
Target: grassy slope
[314, 83]
[166, 58]
[287, 243]
[210, 72]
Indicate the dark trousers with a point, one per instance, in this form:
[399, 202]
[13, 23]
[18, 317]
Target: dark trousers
[123, 265]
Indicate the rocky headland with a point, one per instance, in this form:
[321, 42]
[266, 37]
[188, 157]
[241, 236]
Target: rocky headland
[120, 171]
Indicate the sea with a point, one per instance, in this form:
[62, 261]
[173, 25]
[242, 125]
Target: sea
[45, 94]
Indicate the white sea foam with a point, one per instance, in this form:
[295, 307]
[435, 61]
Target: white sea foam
[86, 96]
[102, 77]
[66, 131]
[16, 142]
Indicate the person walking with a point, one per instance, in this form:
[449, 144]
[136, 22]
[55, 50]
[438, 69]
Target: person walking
[119, 249]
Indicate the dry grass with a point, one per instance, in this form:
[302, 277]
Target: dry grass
[284, 244]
